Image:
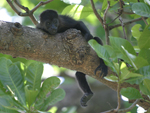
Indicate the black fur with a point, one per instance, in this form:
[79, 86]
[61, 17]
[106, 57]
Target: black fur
[53, 23]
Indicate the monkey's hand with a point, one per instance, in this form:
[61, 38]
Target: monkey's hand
[86, 97]
[103, 68]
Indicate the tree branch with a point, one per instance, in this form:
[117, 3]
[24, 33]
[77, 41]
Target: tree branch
[122, 24]
[96, 13]
[126, 23]
[105, 25]
[68, 49]
[28, 12]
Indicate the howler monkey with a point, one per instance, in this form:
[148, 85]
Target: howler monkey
[53, 23]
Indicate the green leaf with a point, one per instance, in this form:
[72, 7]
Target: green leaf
[77, 11]
[126, 74]
[30, 95]
[141, 9]
[144, 40]
[135, 80]
[21, 67]
[48, 86]
[112, 78]
[145, 87]
[56, 96]
[145, 53]
[7, 102]
[102, 53]
[131, 93]
[145, 71]
[134, 60]
[111, 52]
[135, 31]
[33, 75]
[118, 43]
[11, 77]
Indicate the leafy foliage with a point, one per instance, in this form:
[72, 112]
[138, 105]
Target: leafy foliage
[21, 90]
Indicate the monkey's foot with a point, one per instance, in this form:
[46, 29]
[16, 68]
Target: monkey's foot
[86, 97]
[103, 68]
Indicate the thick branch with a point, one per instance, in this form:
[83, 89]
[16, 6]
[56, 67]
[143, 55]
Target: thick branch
[68, 49]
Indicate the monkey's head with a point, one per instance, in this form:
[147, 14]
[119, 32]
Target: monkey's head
[49, 21]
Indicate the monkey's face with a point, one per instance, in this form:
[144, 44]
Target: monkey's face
[51, 26]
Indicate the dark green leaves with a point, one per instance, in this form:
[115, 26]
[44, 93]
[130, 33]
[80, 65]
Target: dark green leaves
[12, 79]
[21, 82]
[144, 40]
[131, 93]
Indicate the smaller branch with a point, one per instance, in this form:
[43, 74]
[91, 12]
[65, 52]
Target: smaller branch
[113, 19]
[21, 6]
[120, 11]
[144, 20]
[40, 4]
[123, 110]
[122, 24]
[104, 23]
[121, 5]
[96, 13]
[129, 108]
[13, 7]
[105, 13]
[126, 23]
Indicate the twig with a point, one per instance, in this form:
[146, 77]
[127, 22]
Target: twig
[96, 13]
[122, 24]
[120, 11]
[40, 4]
[28, 12]
[123, 110]
[21, 6]
[144, 20]
[129, 108]
[105, 25]
[113, 19]
[105, 13]
[126, 23]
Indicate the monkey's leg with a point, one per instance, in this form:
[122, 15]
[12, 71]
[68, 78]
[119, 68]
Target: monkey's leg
[85, 88]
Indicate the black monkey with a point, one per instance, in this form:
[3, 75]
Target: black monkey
[53, 23]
